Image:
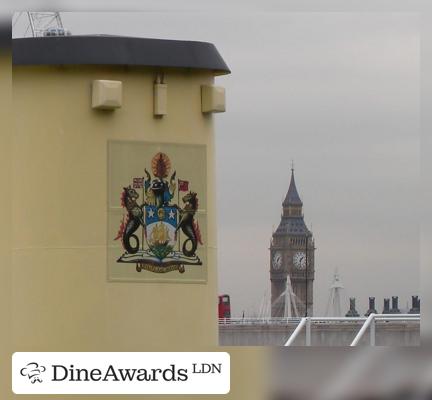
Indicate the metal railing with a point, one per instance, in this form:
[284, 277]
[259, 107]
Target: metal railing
[369, 322]
[259, 321]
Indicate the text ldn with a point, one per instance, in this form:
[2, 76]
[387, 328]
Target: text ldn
[111, 374]
[204, 368]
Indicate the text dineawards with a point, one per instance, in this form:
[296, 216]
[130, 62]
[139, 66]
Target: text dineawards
[112, 374]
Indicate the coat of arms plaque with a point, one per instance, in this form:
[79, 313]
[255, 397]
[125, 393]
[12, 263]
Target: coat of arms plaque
[159, 212]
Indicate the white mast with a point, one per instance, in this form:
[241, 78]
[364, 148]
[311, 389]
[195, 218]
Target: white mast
[334, 300]
[290, 300]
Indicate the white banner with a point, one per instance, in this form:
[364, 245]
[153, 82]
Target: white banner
[121, 373]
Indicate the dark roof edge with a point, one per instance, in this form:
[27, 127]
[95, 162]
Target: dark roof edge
[117, 50]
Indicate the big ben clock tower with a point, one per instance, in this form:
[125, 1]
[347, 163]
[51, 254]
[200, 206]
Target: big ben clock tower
[292, 255]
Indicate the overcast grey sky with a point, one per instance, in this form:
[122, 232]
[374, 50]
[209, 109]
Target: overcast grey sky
[339, 94]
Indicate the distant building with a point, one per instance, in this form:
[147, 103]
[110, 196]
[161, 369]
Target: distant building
[292, 254]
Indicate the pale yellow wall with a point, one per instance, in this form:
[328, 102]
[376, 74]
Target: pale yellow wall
[62, 300]
[5, 222]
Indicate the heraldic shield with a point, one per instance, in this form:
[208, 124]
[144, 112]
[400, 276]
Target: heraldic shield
[159, 235]
[161, 230]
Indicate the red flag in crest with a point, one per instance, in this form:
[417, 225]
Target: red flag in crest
[183, 186]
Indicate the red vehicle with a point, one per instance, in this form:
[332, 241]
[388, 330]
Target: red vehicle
[224, 306]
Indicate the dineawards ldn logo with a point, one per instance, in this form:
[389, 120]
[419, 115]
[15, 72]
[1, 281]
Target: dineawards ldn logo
[33, 371]
[121, 373]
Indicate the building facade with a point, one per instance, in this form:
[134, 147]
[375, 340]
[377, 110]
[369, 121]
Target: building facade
[292, 260]
[79, 159]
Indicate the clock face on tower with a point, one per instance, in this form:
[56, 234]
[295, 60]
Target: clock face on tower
[299, 260]
[277, 261]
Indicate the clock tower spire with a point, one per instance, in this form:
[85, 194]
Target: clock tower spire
[292, 255]
[292, 205]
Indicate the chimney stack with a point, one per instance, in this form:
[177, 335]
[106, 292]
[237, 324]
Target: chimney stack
[415, 309]
[395, 308]
[372, 309]
[386, 309]
[352, 312]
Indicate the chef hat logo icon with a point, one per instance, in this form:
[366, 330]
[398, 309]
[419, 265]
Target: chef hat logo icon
[33, 371]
